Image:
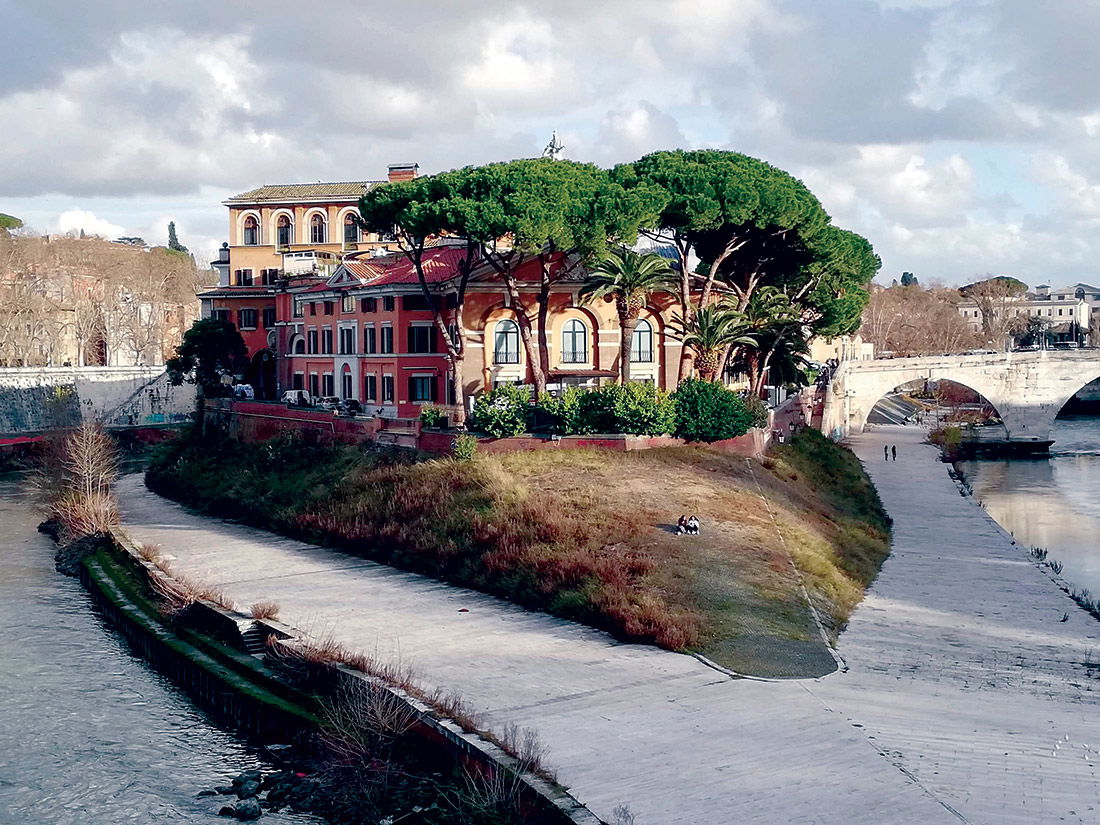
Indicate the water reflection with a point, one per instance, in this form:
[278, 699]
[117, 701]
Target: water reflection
[1051, 502]
[88, 734]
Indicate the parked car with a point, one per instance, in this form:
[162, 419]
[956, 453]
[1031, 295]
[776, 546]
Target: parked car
[329, 402]
[351, 407]
[244, 392]
[300, 398]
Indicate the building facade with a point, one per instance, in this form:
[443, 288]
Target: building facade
[1070, 314]
[350, 319]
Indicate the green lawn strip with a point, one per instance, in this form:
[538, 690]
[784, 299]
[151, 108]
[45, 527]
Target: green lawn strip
[228, 666]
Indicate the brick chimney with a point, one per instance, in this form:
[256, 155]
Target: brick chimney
[402, 171]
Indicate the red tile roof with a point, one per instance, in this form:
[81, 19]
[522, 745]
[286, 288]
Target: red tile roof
[440, 264]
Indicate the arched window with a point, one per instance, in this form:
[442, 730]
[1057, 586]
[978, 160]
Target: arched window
[641, 350]
[299, 345]
[574, 342]
[317, 229]
[506, 343]
[351, 229]
[285, 230]
[251, 231]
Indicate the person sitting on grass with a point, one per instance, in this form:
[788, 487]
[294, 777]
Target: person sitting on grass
[681, 525]
[693, 526]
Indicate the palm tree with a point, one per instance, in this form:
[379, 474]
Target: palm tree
[769, 317]
[709, 333]
[631, 279]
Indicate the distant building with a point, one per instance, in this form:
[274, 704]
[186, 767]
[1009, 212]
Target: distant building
[1071, 313]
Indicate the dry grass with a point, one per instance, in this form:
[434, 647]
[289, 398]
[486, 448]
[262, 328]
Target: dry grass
[150, 553]
[177, 591]
[264, 610]
[588, 535]
[75, 481]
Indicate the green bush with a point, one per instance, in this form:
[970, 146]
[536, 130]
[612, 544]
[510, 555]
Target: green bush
[757, 409]
[432, 417]
[706, 411]
[502, 412]
[636, 409]
[464, 447]
[561, 414]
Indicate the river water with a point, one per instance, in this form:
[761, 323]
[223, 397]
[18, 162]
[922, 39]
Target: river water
[88, 733]
[1051, 502]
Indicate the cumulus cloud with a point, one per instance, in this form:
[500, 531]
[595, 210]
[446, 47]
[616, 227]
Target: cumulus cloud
[78, 220]
[889, 109]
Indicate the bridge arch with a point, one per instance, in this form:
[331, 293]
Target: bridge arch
[1028, 389]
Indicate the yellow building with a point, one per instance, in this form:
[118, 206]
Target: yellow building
[297, 228]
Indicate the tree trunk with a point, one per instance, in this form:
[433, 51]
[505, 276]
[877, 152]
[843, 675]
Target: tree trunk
[529, 346]
[685, 308]
[626, 346]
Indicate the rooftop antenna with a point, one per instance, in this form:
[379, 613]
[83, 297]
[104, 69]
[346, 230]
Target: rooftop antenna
[554, 147]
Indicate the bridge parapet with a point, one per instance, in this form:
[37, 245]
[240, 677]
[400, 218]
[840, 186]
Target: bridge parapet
[1028, 389]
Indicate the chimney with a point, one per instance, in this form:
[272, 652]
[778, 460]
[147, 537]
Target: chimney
[402, 171]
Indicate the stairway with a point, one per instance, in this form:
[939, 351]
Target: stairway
[255, 639]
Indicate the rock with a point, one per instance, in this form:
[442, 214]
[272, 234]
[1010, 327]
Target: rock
[227, 810]
[225, 790]
[247, 776]
[206, 793]
[248, 789]
[68, 557]
[248, 809]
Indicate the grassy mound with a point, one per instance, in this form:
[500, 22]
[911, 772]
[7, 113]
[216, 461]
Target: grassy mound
[583, 534]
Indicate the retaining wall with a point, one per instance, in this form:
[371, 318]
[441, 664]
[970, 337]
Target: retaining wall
[34, 399]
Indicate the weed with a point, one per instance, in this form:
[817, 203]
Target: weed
[264, 610]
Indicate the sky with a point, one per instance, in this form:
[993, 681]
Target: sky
[959, 136]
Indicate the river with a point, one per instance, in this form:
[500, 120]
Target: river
[88, 733]
[1050, 502]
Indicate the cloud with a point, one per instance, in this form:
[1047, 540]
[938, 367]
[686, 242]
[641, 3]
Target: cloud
[77, 220]
[889, 109]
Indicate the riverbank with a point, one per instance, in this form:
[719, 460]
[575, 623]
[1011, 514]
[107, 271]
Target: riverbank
[586, 535]
[962, 686]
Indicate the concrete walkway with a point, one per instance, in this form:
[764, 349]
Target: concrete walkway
[963, 680]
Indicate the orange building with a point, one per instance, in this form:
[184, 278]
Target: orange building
[348, 318]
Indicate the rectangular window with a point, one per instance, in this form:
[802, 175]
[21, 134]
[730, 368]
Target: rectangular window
[326, 343]
[328, 385]
[387, 303]
[348, 388]
[370, 388]
[269, 317]
[351, 231]
[312, 307]
[329, 306]
[387, 339]
[268, 277]
[244, 277]
[314, 386]
[347, 304]
[221, 315]
[422, 389]
[347, 340]
[311, 342]
[387, 389]
[299, 381]
[370, 305]
[299, 308]
[246, 319]
[414, 303]
[421, 339]
[369, 342]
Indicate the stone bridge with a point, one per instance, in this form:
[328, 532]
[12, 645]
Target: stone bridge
[1027, 388]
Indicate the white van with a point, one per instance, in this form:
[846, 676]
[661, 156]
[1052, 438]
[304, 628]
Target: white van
[299, 398]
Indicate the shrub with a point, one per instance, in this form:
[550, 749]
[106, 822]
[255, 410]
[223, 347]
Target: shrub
[706, 411]
[432, 417]
[502, 412]
[464, 447]
[757, 409]
[637, 409]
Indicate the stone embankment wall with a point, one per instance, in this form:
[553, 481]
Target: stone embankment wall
[34, 399]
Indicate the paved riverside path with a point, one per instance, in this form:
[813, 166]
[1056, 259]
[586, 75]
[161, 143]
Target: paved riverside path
[962, 679]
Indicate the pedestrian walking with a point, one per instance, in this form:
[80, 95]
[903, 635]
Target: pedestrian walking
[894, 451]
[885, 452]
